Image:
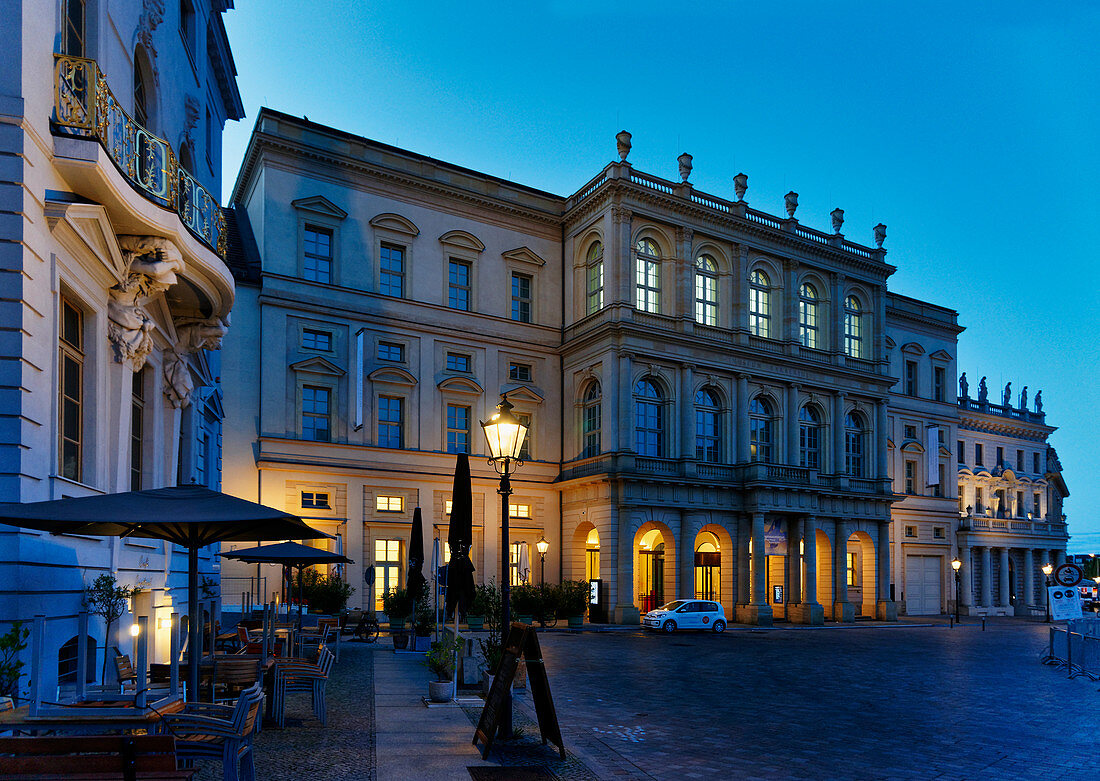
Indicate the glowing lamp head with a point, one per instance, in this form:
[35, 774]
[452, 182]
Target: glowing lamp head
[542, 545]
[1097, 579]
[1047, 569]
[135, 630]
[504, 432]
[956, 564]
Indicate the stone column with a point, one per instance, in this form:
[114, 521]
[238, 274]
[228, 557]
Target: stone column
[836, 322]
[885, 607]
[1059, 557]
[987, 577]
[839, 403]
[690, 524]
[758, 611]
[794, 562]
[610, 404]
[1005, 584]
[792, 423]
[687, 412]
[966, 580]
[620, 269]
[741, 295]
[684, 293]
[744, 591]
[882, 454]
[742, 418]
[790, 302]
[625, 403]
[843, 610]
[625, 610]
[1029, 578]
[808, 611]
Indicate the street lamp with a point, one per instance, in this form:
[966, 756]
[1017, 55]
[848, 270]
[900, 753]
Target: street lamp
[1047, 569]
[504, 433]
[542, 545]
[956, 565]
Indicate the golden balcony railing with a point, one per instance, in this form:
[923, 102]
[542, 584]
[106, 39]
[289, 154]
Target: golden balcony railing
[85, 106]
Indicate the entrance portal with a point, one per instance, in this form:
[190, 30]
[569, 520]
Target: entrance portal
[708, 567]
[652, 556]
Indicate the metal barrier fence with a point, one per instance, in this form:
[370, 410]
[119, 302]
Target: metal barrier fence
[243, 594]
[1075, 648]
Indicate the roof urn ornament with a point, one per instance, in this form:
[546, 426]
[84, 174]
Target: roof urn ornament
[880, 235]
[790, 200]
[622, 143]
[685, 166]
[838, 219]
[741, 186]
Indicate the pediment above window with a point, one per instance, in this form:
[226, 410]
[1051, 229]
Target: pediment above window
[940, 355]
[318, 204]
[889, 443]
[912, 348]
[393, 376]
[523, 255]
[395, 223]
[522, 393]
[891, 343]
[912, 446]
[462, 240]
[460, 385]
[317, 365]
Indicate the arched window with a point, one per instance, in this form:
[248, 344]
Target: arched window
[648, 276]
[143, 89]
[853, 444]
[809, 438]
[807, 316]
[706, 290]
[760, 430]
[853, 327]
[592, 421]
[594, 278]
[649, 421]
[760, 317]
[708, 429]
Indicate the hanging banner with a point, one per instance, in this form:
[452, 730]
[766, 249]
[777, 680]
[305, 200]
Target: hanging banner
[932, 454]
[775, 539]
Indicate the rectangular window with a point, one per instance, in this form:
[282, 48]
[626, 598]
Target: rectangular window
[514, 578]
[391, 267]
[910, 378]
[315, 413]
[595, 287]
[648, 284]
[391, 351]
[852, 581]
[316, 340]
[960, 450]
[1000, 457]
[911, 532]
[457, 362]
[910, 432]
[137, 429]
[978, 454]
[391, 422]
[389, 504]
[201, 456]
[387, 569]
[939, 383]
[317, 260]
[458, 285]
[315, 500]
[521, 298]
[72, 32]
[979, 501]
[519, 511]
[187, 26]
[939, 533]
[71, 392]
[458, 429]
[911, 477]
[1037, 505]
[525, 447]
[1019, 504]
[937, 489]
[519, 372]
[1035, 463]
[1019, 461]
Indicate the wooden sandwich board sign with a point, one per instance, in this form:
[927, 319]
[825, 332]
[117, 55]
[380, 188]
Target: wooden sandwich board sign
[522, 641]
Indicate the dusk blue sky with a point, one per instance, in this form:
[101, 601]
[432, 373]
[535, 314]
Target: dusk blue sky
[972, 130]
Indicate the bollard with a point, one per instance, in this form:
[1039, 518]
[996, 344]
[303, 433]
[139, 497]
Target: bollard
[951, 619]
[983, 623]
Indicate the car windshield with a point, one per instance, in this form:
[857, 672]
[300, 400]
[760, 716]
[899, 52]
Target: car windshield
[672, 605]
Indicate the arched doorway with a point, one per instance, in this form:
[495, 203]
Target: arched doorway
[592, 555]
[708, 566]
[651, 570]
[860, 571]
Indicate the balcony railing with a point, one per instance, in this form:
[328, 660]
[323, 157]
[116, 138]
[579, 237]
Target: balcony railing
[85, 106]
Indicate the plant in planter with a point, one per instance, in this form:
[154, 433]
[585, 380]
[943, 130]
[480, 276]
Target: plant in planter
[398, 606]
[573, 602]
[479, 608]
[325, 593]
[526, 602]
[491, 653]
[423, 624]
[441, 662]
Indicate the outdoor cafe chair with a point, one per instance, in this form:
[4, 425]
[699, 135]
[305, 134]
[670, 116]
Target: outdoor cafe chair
[309, 643]
[211, 731]
[297, 676]
[333, 625]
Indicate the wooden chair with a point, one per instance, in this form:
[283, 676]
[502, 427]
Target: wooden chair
[109, 758]
[232, 675]
[126, 674]
[333, 625]
[296, 676]
[211, 731]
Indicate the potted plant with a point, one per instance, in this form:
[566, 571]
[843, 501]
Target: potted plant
[441, 662]
[526, 601]
[397, 606]
[573, 602]
[108, 599]
[423, 623]
[479, 608]
[491, 652]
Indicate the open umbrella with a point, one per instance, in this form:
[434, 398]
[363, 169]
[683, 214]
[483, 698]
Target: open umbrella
[415, 583]
[289, 554]
[188, 515]
[460, 570]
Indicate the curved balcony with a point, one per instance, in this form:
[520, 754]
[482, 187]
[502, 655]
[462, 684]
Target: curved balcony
[85, 107]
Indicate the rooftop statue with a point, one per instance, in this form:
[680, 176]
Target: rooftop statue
[964, 387]
[1006, 397]
[1039, 403]
[983, 391]
[1023, 398]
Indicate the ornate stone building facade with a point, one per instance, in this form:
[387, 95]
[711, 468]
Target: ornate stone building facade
[112, 245]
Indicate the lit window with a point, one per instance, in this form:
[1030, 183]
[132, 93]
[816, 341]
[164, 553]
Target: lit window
[457, 362]
[519, 372]
[809, 438]
[447, 507]
[315, 500]
[387, 568]
[391, 351]
[316, 340]
[852, 578]
[760, 430]
[807, 316]
[458, 285]
[458, 429]
[137, 429]
[648, 276]
[706, 290]
[759, 304]
[315, 413]
[519, 511]
[594, 278]
[853, 444]
[592, 421]
[389, 504]
[391, 280]
[649, 429]
[391, 422]
[708, 432]
[853, 327]
[317, 260]
[521, 298]
[71, 392]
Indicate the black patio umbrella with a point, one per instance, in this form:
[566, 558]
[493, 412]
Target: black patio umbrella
[290, 555]
[188, 515]
[460, 535]
[415, 583]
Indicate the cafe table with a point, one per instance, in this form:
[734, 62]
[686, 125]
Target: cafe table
[83, 718]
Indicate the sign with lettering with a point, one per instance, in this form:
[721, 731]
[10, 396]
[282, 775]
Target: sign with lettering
[1065, 602]
[775, 539]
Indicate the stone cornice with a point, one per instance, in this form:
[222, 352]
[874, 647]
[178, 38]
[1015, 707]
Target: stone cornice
[1005, 427]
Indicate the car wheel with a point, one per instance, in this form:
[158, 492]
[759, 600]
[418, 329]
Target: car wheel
[719, 626]
[669, 626]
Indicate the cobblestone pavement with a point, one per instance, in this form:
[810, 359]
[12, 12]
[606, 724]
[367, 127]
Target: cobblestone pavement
[905, 702]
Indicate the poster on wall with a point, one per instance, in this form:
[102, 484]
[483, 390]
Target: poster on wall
[775, 539]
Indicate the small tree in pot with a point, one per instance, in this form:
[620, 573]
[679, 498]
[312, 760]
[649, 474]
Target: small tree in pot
[441, 662]
[423, 624]
[397, 606]
[573, 602]
[108, 599]
[526, 602]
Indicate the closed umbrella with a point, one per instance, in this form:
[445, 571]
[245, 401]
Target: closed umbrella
[523, 566]
[415, 583]
[460, 570]
[188, 515]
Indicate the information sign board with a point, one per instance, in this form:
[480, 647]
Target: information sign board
[1065, 602]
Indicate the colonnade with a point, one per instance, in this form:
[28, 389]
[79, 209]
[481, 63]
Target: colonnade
[976, 587]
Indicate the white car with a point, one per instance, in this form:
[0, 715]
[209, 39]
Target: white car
[687, 614]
